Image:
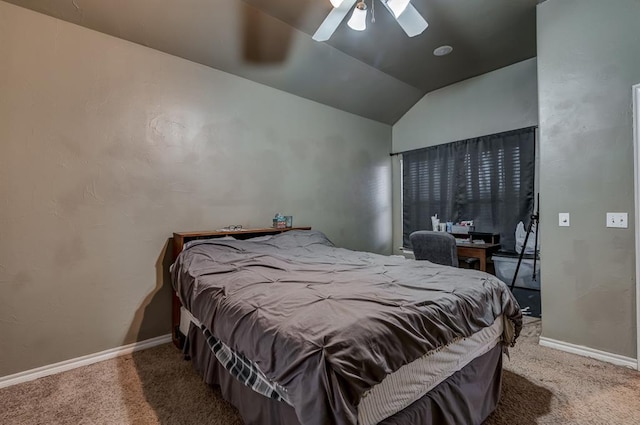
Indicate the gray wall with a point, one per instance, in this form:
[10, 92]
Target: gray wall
[107, 147]
[505, 99]
[588, 59]
[502, 100]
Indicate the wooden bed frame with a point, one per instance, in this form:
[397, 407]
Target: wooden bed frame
[180, 238]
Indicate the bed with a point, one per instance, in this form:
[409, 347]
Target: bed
[296, 331]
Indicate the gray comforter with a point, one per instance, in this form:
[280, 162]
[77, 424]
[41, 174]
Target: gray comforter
[329, 323]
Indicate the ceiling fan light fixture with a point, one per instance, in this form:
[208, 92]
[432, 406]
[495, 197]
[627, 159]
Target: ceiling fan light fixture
[397, 7]
[358, 20]
[336, 3]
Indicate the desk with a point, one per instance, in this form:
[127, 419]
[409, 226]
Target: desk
[487, 237]
[477, 250]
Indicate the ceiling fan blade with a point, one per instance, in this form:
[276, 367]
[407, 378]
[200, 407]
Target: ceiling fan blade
[410, 20]
[333, 19]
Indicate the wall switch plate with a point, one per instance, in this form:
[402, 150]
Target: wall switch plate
[620, 220]
[564, 220]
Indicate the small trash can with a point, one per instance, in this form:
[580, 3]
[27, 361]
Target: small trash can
[505, 266]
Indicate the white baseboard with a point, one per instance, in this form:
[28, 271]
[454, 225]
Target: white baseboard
[30, 375]
[580, 350]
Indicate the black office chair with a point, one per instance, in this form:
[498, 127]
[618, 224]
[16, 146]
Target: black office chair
[437, 247]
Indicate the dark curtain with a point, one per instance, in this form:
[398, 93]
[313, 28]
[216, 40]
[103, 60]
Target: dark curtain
[486, 179]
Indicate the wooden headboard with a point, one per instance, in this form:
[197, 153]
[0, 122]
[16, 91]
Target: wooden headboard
[180, 238]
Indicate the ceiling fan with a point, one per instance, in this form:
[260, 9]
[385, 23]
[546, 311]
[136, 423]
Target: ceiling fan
[402, 10]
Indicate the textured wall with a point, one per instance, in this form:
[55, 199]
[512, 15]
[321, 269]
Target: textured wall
[588, 60]
[107, 147]
[505, 99]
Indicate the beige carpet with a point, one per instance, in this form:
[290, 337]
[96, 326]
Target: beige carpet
[541, 386]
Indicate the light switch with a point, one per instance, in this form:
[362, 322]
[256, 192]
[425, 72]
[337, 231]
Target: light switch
[563, 219]
[620, 220]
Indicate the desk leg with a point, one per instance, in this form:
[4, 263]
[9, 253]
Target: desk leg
[483, 261]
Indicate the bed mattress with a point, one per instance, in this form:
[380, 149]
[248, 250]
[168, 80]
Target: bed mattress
[329, 324]
[466, 397]
[412, 381]
[409, 383]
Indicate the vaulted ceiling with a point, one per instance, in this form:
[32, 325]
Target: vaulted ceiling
[379, 73]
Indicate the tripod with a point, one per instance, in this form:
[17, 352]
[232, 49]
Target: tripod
[535, 218]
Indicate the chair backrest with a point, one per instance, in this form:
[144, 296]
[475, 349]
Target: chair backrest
[437, 247]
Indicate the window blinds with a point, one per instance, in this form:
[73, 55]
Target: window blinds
[486, 179]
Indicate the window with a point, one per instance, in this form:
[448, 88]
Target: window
[487, 179]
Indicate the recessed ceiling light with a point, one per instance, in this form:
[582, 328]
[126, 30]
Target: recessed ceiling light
[443, 50]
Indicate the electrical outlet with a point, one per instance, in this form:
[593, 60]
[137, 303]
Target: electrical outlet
[564, 220]
[620, 220]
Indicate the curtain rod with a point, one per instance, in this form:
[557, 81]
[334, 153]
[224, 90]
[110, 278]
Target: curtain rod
[477, 137]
